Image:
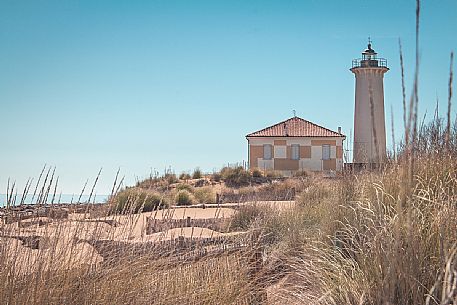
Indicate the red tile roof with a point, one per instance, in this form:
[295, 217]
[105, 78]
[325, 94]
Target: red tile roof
[295, 127]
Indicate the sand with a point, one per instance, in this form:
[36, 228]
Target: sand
[62, 243]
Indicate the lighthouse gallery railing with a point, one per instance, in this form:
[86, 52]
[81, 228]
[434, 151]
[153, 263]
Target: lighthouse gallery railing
[367, 63]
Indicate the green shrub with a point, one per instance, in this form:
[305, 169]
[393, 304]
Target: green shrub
[170, 178]
[184, 197]
[184, 186]
[184, 176]
[205, 195]
[236, 176]
[134, 200]
[151, 201]
[197, 174]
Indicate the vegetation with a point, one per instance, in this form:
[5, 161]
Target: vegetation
[245, 216]
[236, 176]
[205, 195]
[184, 197]
[184, 176]
[273, 174]
[170, 178]
[379, 237]
[302, 173]
[256, 173]
[216, 177]
[134, 200]
[197, 174]
[184, 186]
[386, 236]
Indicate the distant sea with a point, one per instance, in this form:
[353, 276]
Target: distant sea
[64, 199]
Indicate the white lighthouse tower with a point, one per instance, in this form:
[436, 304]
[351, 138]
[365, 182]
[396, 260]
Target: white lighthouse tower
[369, 122]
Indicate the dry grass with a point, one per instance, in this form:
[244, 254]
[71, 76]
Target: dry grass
[380, 237]
[220, 279]
[369, 238]
[88, 261]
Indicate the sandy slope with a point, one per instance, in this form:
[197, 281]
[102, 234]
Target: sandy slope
[62, 242]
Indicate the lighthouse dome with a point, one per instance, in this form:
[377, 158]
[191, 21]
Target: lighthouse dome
[369, 50]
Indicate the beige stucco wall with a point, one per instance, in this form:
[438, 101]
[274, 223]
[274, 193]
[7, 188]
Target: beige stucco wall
[310, 154]
[369, 121]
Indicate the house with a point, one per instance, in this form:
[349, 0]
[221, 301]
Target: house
[296, 144]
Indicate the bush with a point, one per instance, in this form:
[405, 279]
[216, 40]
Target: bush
[257, 173]
[147, 183]
[273, 174]
[184, 176]
[134, 200]
[217, 177]
[151, 201]
[302, 173]
[183, 186]
[197, 174]
[236, 177]
[245, 216]
[184, 197]
[205, 195]
[248, 191]
[170, 178]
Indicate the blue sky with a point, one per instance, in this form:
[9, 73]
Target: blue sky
[150, 84]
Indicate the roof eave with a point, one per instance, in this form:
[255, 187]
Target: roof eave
[258, 136]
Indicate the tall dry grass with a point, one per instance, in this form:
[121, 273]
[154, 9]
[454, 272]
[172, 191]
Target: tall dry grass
[92, 256]
[385, 237]
[368, 238]
[380, 237]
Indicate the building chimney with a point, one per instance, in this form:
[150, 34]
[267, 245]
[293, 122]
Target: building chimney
[339, 129]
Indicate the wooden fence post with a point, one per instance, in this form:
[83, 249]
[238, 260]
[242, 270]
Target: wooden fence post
[259, 295]
[181, 241]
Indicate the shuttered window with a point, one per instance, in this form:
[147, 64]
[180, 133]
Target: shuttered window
[267, 151]
[295, 152]
[325, 152]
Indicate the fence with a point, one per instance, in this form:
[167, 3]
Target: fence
[55, 211]
[159, 225]
[180, 249]
[262, 195]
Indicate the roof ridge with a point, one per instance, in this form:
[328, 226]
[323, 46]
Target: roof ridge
[272, 128]
[274, 125]
[321, 126]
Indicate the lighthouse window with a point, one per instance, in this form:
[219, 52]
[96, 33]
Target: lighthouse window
[325, 152]
[267, 151]
[295, 152]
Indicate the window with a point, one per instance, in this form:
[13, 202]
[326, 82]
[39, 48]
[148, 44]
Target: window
[325, 152]
[267, 151]
[295, 152]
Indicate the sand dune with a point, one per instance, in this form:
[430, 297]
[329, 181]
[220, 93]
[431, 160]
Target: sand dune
[60, 256]
[60, 244]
